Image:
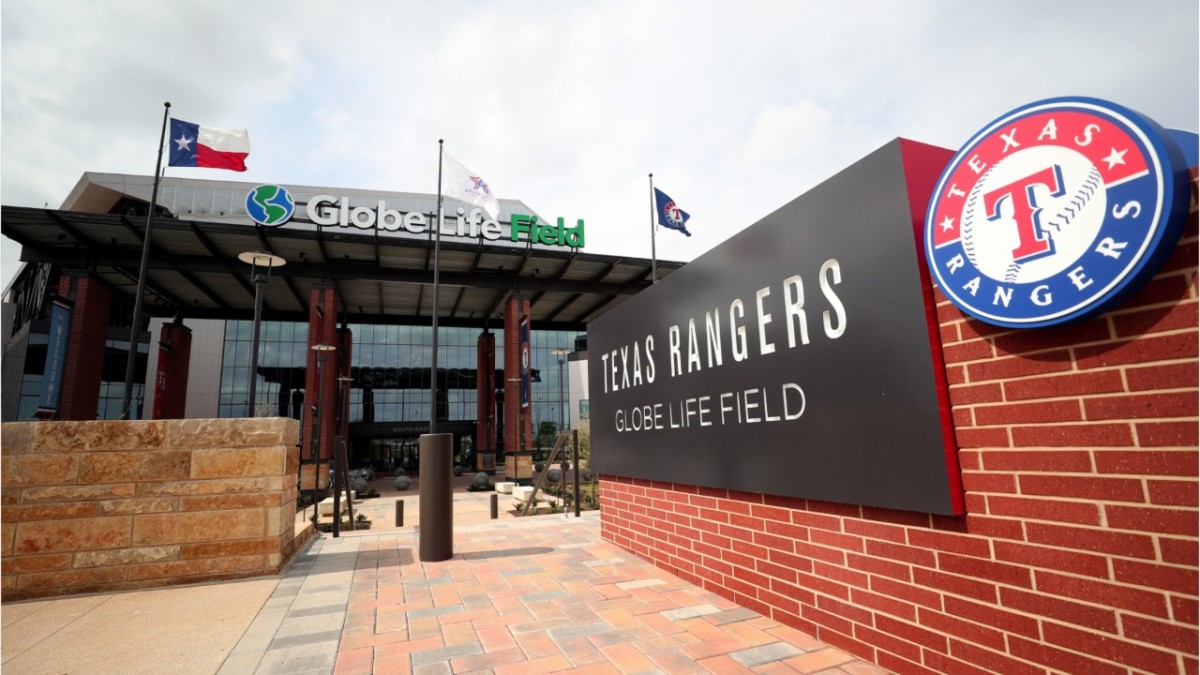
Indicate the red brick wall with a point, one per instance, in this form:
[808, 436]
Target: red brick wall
[1078, 552]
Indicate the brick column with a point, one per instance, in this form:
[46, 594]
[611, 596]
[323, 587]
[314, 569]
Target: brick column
[322, 329]
[170, 382]
[516, 307]
[345, 351]
[85, 344]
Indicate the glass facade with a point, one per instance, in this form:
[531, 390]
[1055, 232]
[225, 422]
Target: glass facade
[112, 383]
[382, 356]
[282, 352]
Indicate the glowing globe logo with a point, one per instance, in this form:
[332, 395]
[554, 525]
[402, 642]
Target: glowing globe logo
[270, 205]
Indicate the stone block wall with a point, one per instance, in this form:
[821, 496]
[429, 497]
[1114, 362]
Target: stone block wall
[1079, 549]
[103, 506]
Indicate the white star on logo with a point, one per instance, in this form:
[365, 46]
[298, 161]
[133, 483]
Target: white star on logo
[1114, 158]
[184, 142]
[947, 224]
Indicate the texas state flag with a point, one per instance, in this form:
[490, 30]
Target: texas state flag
[208, 147]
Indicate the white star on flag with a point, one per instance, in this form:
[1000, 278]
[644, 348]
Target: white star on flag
[184, 142]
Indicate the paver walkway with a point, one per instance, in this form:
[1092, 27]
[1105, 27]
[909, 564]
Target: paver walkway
[532, 595]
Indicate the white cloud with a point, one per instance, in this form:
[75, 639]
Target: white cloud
[568, 106]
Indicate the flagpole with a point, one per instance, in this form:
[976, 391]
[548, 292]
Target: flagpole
[437, 250]
[136, 329]
[653, 236]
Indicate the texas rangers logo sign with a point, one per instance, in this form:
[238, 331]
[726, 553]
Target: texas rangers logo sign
[1054, 212]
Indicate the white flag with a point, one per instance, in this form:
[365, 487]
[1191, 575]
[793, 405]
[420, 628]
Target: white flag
[465, 185]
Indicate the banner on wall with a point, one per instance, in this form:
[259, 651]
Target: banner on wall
[160, 379]
[56, 357]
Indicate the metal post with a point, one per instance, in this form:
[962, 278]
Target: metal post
[495, 505]
[340, 477]
[562, 409]
[336, 486]
[316, 439]
[437, 255]
[575, 463]
[316, 442]
[320, 349]
[399, 513]
[257, 261]
[653, 236]
[136, 329]
[260, 280]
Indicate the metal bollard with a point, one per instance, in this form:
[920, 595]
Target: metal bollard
[575, 465]
[495, 505]
[436, 505]
[399, 513]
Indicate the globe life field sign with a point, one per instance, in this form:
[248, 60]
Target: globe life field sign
[799, 358]
[274, 206]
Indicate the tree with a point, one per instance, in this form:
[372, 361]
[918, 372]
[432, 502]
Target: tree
[547, 431]
[585, 442]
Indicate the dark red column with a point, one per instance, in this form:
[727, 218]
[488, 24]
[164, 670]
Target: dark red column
[516, 308]
[171, 378]
[85, 345]
[345, 351]
[322, 329]
[485, 407]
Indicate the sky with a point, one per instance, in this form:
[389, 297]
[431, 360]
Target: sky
[736, 108]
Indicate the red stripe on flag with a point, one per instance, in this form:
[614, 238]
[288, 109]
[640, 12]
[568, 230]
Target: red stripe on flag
[206, 157]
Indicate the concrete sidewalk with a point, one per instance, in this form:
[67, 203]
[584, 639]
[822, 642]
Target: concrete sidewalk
[538, 594]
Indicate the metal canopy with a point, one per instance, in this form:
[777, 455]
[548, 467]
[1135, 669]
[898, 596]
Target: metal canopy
[194, 271]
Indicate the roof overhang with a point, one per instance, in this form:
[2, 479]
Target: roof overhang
[194, 271]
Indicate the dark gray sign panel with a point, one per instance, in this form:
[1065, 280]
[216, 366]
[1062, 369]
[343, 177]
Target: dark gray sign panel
[798, 358]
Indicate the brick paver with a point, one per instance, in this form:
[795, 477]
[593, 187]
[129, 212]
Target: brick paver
[541, 595]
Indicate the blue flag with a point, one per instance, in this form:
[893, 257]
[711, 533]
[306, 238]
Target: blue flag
[669, 213]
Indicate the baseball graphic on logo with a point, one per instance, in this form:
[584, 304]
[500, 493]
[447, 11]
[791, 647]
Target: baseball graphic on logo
[1033, 214]
[1055, 211]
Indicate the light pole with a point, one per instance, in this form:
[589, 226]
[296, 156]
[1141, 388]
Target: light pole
[339, 457]
[260, 263]
[562, 418]
[320, 349]
[437, 256]
[147, 243]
